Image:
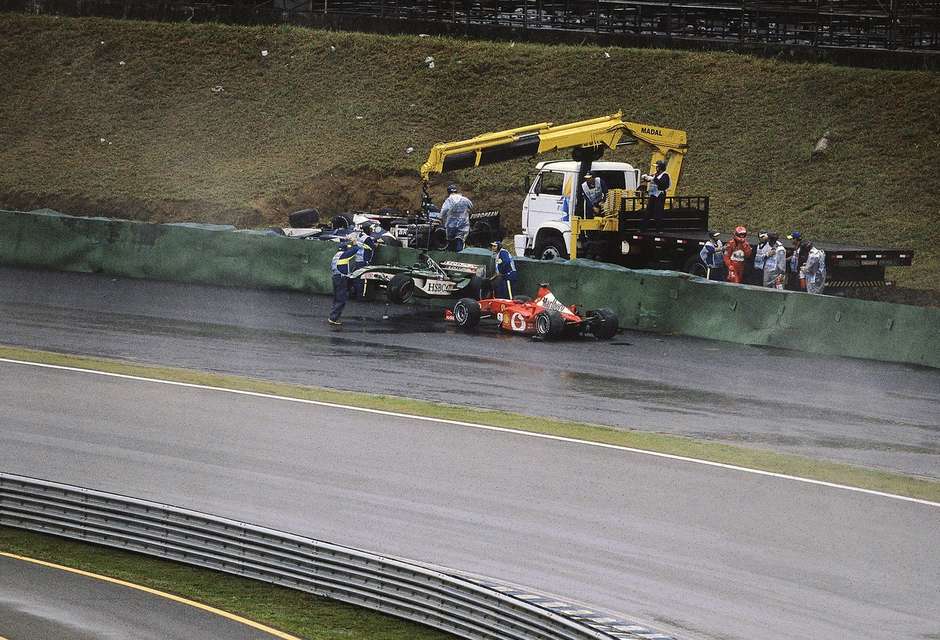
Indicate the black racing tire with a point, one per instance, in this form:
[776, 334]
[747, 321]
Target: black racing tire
[549, 324]
[401, 288]
[341, 222]
[475, 288]
[438, 240]
[467, 313]
[604, 325]
[303, 219]
[480, 235]
[550, 248]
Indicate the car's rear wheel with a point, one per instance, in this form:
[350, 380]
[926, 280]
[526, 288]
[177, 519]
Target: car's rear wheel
[341, 222]
[604, 324]
[401, 288]
[475, 288]
[467, 313]
[549, 324]
[438, 240]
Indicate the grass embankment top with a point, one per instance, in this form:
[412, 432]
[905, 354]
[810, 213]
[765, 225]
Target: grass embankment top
[192, 121]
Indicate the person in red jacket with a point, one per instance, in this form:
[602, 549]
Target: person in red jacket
[737, 252]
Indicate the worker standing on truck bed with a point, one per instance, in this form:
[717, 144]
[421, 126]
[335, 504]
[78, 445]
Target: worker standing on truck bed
[737, 251]
[712, 257]
[775, 262]
[455, 214]
[657, 184]
[595, 191]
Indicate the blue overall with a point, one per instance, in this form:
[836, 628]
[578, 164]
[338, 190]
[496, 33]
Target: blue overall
[506, 275]
[341, 267]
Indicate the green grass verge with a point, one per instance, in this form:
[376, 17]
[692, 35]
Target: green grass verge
[287, 610]
[178, 121]
[751, 458]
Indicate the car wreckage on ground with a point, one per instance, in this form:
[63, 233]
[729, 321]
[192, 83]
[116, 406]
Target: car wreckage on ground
[543, 317]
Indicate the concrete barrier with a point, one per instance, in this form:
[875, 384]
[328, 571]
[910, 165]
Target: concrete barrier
[659, 301]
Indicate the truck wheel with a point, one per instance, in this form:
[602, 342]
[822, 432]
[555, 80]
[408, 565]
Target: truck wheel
[549, 324]
[605, 324]
[467, 313]
[551, 248]
[401, 288]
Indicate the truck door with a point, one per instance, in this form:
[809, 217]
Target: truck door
[545, 201]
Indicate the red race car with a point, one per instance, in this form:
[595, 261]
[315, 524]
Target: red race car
[544, 316]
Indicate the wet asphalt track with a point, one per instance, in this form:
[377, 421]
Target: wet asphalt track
[40, 603]
[863, 412]
[700, 551]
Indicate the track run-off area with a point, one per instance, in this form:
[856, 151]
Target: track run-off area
[701, 550]
[697, 549]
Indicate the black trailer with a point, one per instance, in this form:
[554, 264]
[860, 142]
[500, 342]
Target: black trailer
[683, 231]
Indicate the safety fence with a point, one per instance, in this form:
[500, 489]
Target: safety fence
[659, 301]
[911, 25]
[406, 590]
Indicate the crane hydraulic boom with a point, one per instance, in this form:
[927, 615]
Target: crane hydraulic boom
[586, 138]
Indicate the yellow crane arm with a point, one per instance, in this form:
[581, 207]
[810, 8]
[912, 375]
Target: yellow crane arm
[526, 142]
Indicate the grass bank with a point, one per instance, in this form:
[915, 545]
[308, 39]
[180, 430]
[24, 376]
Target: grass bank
[838, 473]
[294, 612]
[193, 121]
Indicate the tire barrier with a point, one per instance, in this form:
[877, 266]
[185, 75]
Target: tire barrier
[645, 300]
[472, 609]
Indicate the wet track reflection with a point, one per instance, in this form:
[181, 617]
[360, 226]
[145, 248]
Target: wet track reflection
[876, 414]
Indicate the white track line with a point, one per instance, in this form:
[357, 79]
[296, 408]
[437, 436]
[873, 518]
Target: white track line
[473, 425]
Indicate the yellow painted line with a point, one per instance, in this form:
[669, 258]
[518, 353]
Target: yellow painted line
[161, 594]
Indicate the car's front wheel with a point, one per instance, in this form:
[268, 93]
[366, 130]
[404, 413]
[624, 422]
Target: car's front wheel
[467, 313]
[549, 324]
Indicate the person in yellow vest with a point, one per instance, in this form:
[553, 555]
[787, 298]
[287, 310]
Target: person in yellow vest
[341, 268]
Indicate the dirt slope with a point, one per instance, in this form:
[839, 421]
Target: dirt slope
[195, 122]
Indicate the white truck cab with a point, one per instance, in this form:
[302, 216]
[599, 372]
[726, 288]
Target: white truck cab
[551, 200]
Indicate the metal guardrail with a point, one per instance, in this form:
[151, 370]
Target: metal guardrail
[473, 610]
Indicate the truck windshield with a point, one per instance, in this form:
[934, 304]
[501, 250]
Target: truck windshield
[550, 183]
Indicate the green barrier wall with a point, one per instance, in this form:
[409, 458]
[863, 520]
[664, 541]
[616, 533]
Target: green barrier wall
[659, 301]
